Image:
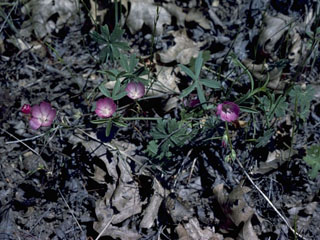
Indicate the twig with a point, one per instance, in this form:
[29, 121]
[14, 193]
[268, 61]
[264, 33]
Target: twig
[269, 201]
[34, 151]
[191, 171]
[107, 225]
[71, 211]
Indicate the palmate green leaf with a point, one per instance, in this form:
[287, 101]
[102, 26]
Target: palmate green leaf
[121, 45]
[116, 88]
[133, 63]
[304, 98]
[264, 140]
[152, 148]
[98, 38]
[198, 65]
[124, 62]
[210, 83]
[171, 134]
[104, 54]
[104, 90]
[116, 33]
[105, 33]
[188, 90]
[108, 127]
[120, 95]
[313, 160]
[281, 107]
[114, 53]
[201, 96]
[187, 71]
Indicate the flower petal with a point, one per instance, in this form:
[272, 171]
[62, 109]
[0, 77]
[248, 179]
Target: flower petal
[52, 114]
[35, 123]
[36, 111]
[26, 109]
[105, 107]
[45, 108]
[135, 90]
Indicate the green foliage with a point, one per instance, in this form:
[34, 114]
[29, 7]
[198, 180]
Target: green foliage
[274, 107]
[264, 140]
[303, 98]
[313, 160]
[167, 135]
[198, 83]
[128, 74]
[111, 41]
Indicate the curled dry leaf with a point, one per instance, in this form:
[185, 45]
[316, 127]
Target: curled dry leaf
[122, 194]
[274, 160]
[41, 12]
[262, 73]
[183, 50]
[145, 12]
[192, 230]
[247, 232]
[151, 212]
[178, 210]
[274, 28]
[196, 15]
[234, 205]
[104, 214]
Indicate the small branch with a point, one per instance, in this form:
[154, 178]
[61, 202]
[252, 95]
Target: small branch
[269, 201]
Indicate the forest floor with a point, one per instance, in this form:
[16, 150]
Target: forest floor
[165, 165]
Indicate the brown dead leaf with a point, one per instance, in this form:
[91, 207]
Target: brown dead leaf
[247, 232]
[40, 12]
[145, 12]
[274, 160]
[151, 212]
[197, 16]
[195, 232]
[104, 215]
[177, 209]
[234, 204]
[274, 28]
[183, 50]
[262, 73]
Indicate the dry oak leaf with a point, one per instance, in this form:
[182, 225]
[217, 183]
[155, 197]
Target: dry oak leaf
[40, 12]
[146, 12]
[183, 50]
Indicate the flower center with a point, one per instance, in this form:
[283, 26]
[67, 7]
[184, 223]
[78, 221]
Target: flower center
[106, 111]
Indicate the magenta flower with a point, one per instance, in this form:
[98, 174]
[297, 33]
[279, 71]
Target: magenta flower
[105, 107]
[26, 109]
[228, 111]
[42, 115]
[135, 90]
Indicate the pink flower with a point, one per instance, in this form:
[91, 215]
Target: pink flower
[26, 109]
[135, 90]
[228, 111]
[42, 115]
[105, 107]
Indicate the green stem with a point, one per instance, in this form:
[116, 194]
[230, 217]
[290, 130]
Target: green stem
[141, 118]
[229, 139]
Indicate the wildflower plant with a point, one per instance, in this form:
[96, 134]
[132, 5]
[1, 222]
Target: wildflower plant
[228, 111]
[135, 90]
[26, 109]
[198, 83]
[105, 107]
[111, 42]
[42, 115]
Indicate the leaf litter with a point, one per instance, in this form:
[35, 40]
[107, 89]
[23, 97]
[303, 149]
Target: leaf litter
[111, 189]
